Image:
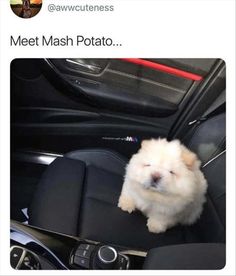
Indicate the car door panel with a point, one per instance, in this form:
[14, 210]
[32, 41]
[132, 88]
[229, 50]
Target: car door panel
[62, 130]
[58, 107]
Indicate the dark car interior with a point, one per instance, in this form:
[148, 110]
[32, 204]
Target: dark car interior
[75, 123]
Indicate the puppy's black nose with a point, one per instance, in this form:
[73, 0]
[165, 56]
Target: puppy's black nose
[156, 177]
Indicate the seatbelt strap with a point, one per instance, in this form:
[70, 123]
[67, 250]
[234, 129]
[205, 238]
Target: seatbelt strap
[212, 159]
[218, 106]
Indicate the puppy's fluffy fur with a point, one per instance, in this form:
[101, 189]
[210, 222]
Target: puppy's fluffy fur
[164, 181]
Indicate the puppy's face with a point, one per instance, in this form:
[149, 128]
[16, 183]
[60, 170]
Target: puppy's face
[164, 167]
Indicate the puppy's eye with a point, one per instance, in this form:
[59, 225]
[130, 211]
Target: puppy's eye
[147, 165]
[171, 172]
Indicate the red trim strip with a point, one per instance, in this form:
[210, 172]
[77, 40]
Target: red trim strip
[164, 68]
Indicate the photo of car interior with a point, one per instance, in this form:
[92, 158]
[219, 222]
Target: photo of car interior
[75, 123]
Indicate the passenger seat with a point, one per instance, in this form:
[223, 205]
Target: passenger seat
[78, 196]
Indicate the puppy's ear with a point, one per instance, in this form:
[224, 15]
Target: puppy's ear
[188, 157]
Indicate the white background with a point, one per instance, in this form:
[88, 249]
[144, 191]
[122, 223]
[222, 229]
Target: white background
[157, 29]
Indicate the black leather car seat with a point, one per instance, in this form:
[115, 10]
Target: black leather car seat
[78, 196]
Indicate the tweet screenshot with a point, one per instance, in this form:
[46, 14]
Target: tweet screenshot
[114, 130]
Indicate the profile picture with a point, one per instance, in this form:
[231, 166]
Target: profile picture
[26, 8]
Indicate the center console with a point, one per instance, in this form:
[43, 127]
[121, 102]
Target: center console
[34, 249]
[90, 256]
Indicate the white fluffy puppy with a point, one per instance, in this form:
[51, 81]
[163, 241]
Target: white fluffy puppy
[164, 181]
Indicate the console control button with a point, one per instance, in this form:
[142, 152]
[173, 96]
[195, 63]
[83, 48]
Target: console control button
[83, 253]
[85, 246]
[106, 257]
[80, 261]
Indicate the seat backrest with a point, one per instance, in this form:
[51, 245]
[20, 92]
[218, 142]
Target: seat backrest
[208, 141]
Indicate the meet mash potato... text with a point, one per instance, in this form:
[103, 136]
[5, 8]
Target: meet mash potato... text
[79, 40]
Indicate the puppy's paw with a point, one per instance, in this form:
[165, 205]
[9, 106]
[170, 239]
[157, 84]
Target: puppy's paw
[155, 227]
[126, 204]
